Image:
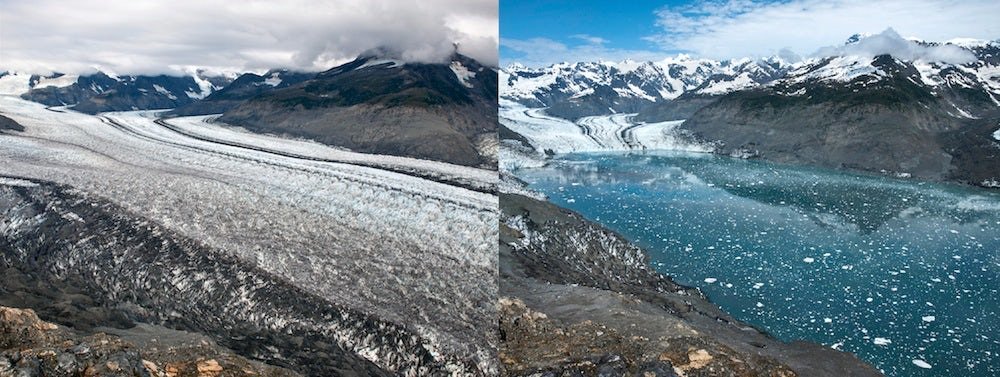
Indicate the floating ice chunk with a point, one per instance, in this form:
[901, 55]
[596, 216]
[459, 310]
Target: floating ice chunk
[760, 304]
[808, 259]
[758, 285]
[928, 318]
[711, 280]
[827, 320]
[882, 341]
[921, 364]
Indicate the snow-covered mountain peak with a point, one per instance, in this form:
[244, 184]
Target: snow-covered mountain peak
[835, 69]
[515, 66]
[972, 43]
[857, 37]
[594, 88]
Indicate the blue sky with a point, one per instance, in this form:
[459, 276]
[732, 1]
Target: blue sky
[561, 20]
[544, 32]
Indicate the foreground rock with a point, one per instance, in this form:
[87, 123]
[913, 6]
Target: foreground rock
[580, 300]
[32, 347]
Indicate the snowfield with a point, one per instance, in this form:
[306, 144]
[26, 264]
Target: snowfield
[415, 251]
[616, 132]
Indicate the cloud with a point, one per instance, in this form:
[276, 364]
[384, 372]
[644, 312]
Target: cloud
[590, 39]
[128, 37]
[536, 52]
[890, 42]
[736, 28]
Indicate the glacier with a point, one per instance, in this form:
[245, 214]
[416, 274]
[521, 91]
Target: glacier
[617, 132]
[409, 250]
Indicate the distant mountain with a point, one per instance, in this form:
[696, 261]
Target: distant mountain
[246, 86]
[926, 119]
[574, 90]
[907, 113]
[101, 92]
[378, 104]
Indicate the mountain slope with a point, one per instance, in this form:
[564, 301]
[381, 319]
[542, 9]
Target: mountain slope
[441, 112]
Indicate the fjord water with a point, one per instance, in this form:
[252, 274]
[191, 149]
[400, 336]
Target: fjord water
[904, 274]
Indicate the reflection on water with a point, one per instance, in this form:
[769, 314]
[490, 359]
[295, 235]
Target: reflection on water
[900, 272]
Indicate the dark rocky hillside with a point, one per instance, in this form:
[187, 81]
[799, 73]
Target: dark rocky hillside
[377, 105]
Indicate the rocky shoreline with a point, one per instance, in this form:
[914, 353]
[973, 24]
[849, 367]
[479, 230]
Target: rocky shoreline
[578, 299]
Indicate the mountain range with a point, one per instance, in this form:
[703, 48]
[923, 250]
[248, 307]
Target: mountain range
[101, 91]
[896, 112]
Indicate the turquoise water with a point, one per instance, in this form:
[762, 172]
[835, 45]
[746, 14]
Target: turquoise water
[898, 272]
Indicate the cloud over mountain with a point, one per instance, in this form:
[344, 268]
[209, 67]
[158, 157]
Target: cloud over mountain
[147, 37]
[890, 42]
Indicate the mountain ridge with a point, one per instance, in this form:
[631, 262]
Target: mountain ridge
[927, 110]
[630, 86]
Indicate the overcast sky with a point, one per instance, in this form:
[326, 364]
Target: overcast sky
[652, 30]
[172, 36]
